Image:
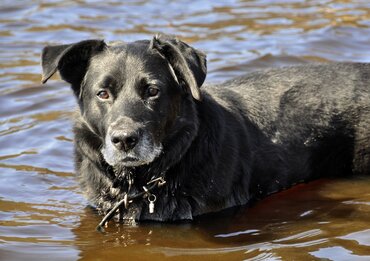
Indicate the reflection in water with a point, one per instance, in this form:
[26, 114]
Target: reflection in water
[307, 221]
[43, 216]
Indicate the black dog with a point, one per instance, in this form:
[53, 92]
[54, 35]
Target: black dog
[143, 119]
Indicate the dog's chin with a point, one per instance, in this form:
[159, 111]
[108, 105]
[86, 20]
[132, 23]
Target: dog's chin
[133, 162]
[128, 161]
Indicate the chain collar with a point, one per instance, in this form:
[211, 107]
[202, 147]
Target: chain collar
[128, 199]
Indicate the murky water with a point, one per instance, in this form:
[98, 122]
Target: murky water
[42, 213]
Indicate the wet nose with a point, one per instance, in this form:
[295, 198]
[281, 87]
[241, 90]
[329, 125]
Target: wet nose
[125, 141]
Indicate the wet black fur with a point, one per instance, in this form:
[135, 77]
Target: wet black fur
[229, 144]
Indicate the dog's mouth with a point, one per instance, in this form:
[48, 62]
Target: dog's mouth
[130, 159]
[133, 162]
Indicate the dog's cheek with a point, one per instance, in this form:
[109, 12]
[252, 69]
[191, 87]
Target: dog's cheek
[168, 119]
[97, 117]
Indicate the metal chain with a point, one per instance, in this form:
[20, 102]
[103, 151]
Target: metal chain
[156, 182]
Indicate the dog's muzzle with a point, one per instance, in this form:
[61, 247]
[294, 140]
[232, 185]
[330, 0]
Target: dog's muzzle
[129, 145]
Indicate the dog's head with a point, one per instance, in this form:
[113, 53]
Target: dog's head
[133, 96]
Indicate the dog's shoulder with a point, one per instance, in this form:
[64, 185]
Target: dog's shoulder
[270, 95]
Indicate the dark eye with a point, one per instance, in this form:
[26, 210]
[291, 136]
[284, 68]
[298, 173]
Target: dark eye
[103, 95]
[152, 91]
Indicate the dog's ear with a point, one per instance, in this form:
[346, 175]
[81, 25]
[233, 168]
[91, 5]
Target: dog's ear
[189, 64]
[70, 60]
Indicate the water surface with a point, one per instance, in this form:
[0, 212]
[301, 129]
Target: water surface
[43, 215]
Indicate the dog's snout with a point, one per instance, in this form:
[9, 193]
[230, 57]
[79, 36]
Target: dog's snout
[125, 140]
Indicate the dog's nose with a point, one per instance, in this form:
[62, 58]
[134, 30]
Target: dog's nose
[125, 141]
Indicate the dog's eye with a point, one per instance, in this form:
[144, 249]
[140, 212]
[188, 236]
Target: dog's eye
[103, 95]
[152, 91]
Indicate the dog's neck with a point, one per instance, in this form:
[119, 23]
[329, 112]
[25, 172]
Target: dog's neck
[125, 181]
[132, 180]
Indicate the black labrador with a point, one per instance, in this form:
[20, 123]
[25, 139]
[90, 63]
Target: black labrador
[153, 145]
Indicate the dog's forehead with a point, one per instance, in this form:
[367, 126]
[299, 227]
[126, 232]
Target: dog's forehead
[133, 57]
[129, 49]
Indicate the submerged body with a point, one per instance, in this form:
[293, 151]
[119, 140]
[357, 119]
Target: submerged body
[143, 116]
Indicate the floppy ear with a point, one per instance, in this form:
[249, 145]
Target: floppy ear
[189, 64]
[70, 60]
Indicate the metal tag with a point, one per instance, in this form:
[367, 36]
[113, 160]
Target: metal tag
[152, 198]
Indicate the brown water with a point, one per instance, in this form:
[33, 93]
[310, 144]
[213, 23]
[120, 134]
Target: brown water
[42, 213]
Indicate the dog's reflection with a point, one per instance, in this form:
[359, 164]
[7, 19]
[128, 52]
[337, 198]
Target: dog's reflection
[126, 241]
[237, 230]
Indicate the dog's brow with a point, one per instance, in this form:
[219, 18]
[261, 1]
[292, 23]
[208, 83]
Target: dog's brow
[149, 80]
[143, 81]
[109, 82]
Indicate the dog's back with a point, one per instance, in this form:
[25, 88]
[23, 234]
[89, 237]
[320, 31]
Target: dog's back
[321, 107]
